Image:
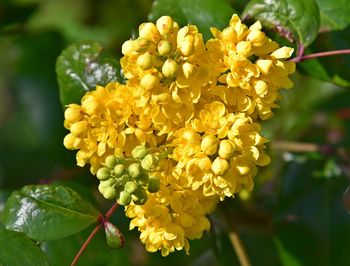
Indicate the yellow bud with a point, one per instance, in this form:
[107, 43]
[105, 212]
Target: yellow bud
[186, 47]
[145, 61]
[186, 220]
[204, 164]
[210, 144]
[149, 32]
[169, 68]
[119, 170]
[220, 166]
[90, 105]
[127, 48]
[256, 36]
[283, 52]
[124, 198]
[188, 69]
[71, 142]
[264, 65]
[260, 87]
[164, 47]
[139, 152]
[226, 149]
[111, 161]
[73, 114]
[103, 173]
[244, 48]
[149, 162]
[190, 136]
[79, 129]
[164, 25]
[149, 82]
[140, 45]
[135, 170]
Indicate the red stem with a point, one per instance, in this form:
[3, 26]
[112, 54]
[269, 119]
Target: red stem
[101, 220]
[322, 54]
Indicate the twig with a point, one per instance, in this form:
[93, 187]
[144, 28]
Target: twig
[298, 58]
[239, 248]
[101, 220]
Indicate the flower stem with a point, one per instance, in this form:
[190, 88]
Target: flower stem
[322, 54]
[239, 248]
[101, 220]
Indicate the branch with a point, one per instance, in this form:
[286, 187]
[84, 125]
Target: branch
[239, 248]
[298, 58]
[101, 220]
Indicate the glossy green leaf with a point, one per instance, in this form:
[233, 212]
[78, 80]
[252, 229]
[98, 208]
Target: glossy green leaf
[46, 212]
[202, 13]
[295, 19]
[334, 14]
[16, 249]
[114, 237]
[79, 69]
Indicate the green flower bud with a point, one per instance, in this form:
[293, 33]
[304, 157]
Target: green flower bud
[164, 47]
[149, 162]
[109, 193]
[169, 68]
[103, 173]
[145, 61]
[130, 187]
[124, 198]
[105, 184]
[119, 182]
[142, 179]
[140, 45]
[135, 170]
[110, 161]
[139, 152]
[153, 184]
[140, 196]
[119, 170]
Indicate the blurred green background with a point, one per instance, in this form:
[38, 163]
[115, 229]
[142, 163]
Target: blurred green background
[297, 213]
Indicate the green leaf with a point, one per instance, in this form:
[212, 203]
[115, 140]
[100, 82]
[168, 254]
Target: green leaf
[333, 69]
[17, 250]
[47, 212]
[202, 13]
[114, 237]
[334, 14]
[295, 19]
[79, 69]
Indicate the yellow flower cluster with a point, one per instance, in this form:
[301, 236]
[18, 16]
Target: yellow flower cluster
[198, 101]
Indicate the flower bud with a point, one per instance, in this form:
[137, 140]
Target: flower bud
[260, 87]
[149, 81]
[264, 65]
[226, 149]
[103, 173]
[79, 129]
[188, 69]
[149, 32]
[139, 152]
[127, 48]
[130, 187]
[243, 169]
[124, 198]
[119, 170]
[153, 184]
[140, 45]
[204, 164]
[186, 47]
[220, 166]
[164, 25]
[169, 68]
[145, 61]
[73, 113]
[209, 144]
[149, 162]
[135, 170]
[244, 48]
[164, 47]
[90, 105]
[140, 196]
[109, 193]
[256, 36]
[71, 142]
[110, 161]
[142, 179]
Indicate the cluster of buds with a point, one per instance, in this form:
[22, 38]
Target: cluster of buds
[127, 179]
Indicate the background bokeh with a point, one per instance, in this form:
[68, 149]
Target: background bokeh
[297, 213]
